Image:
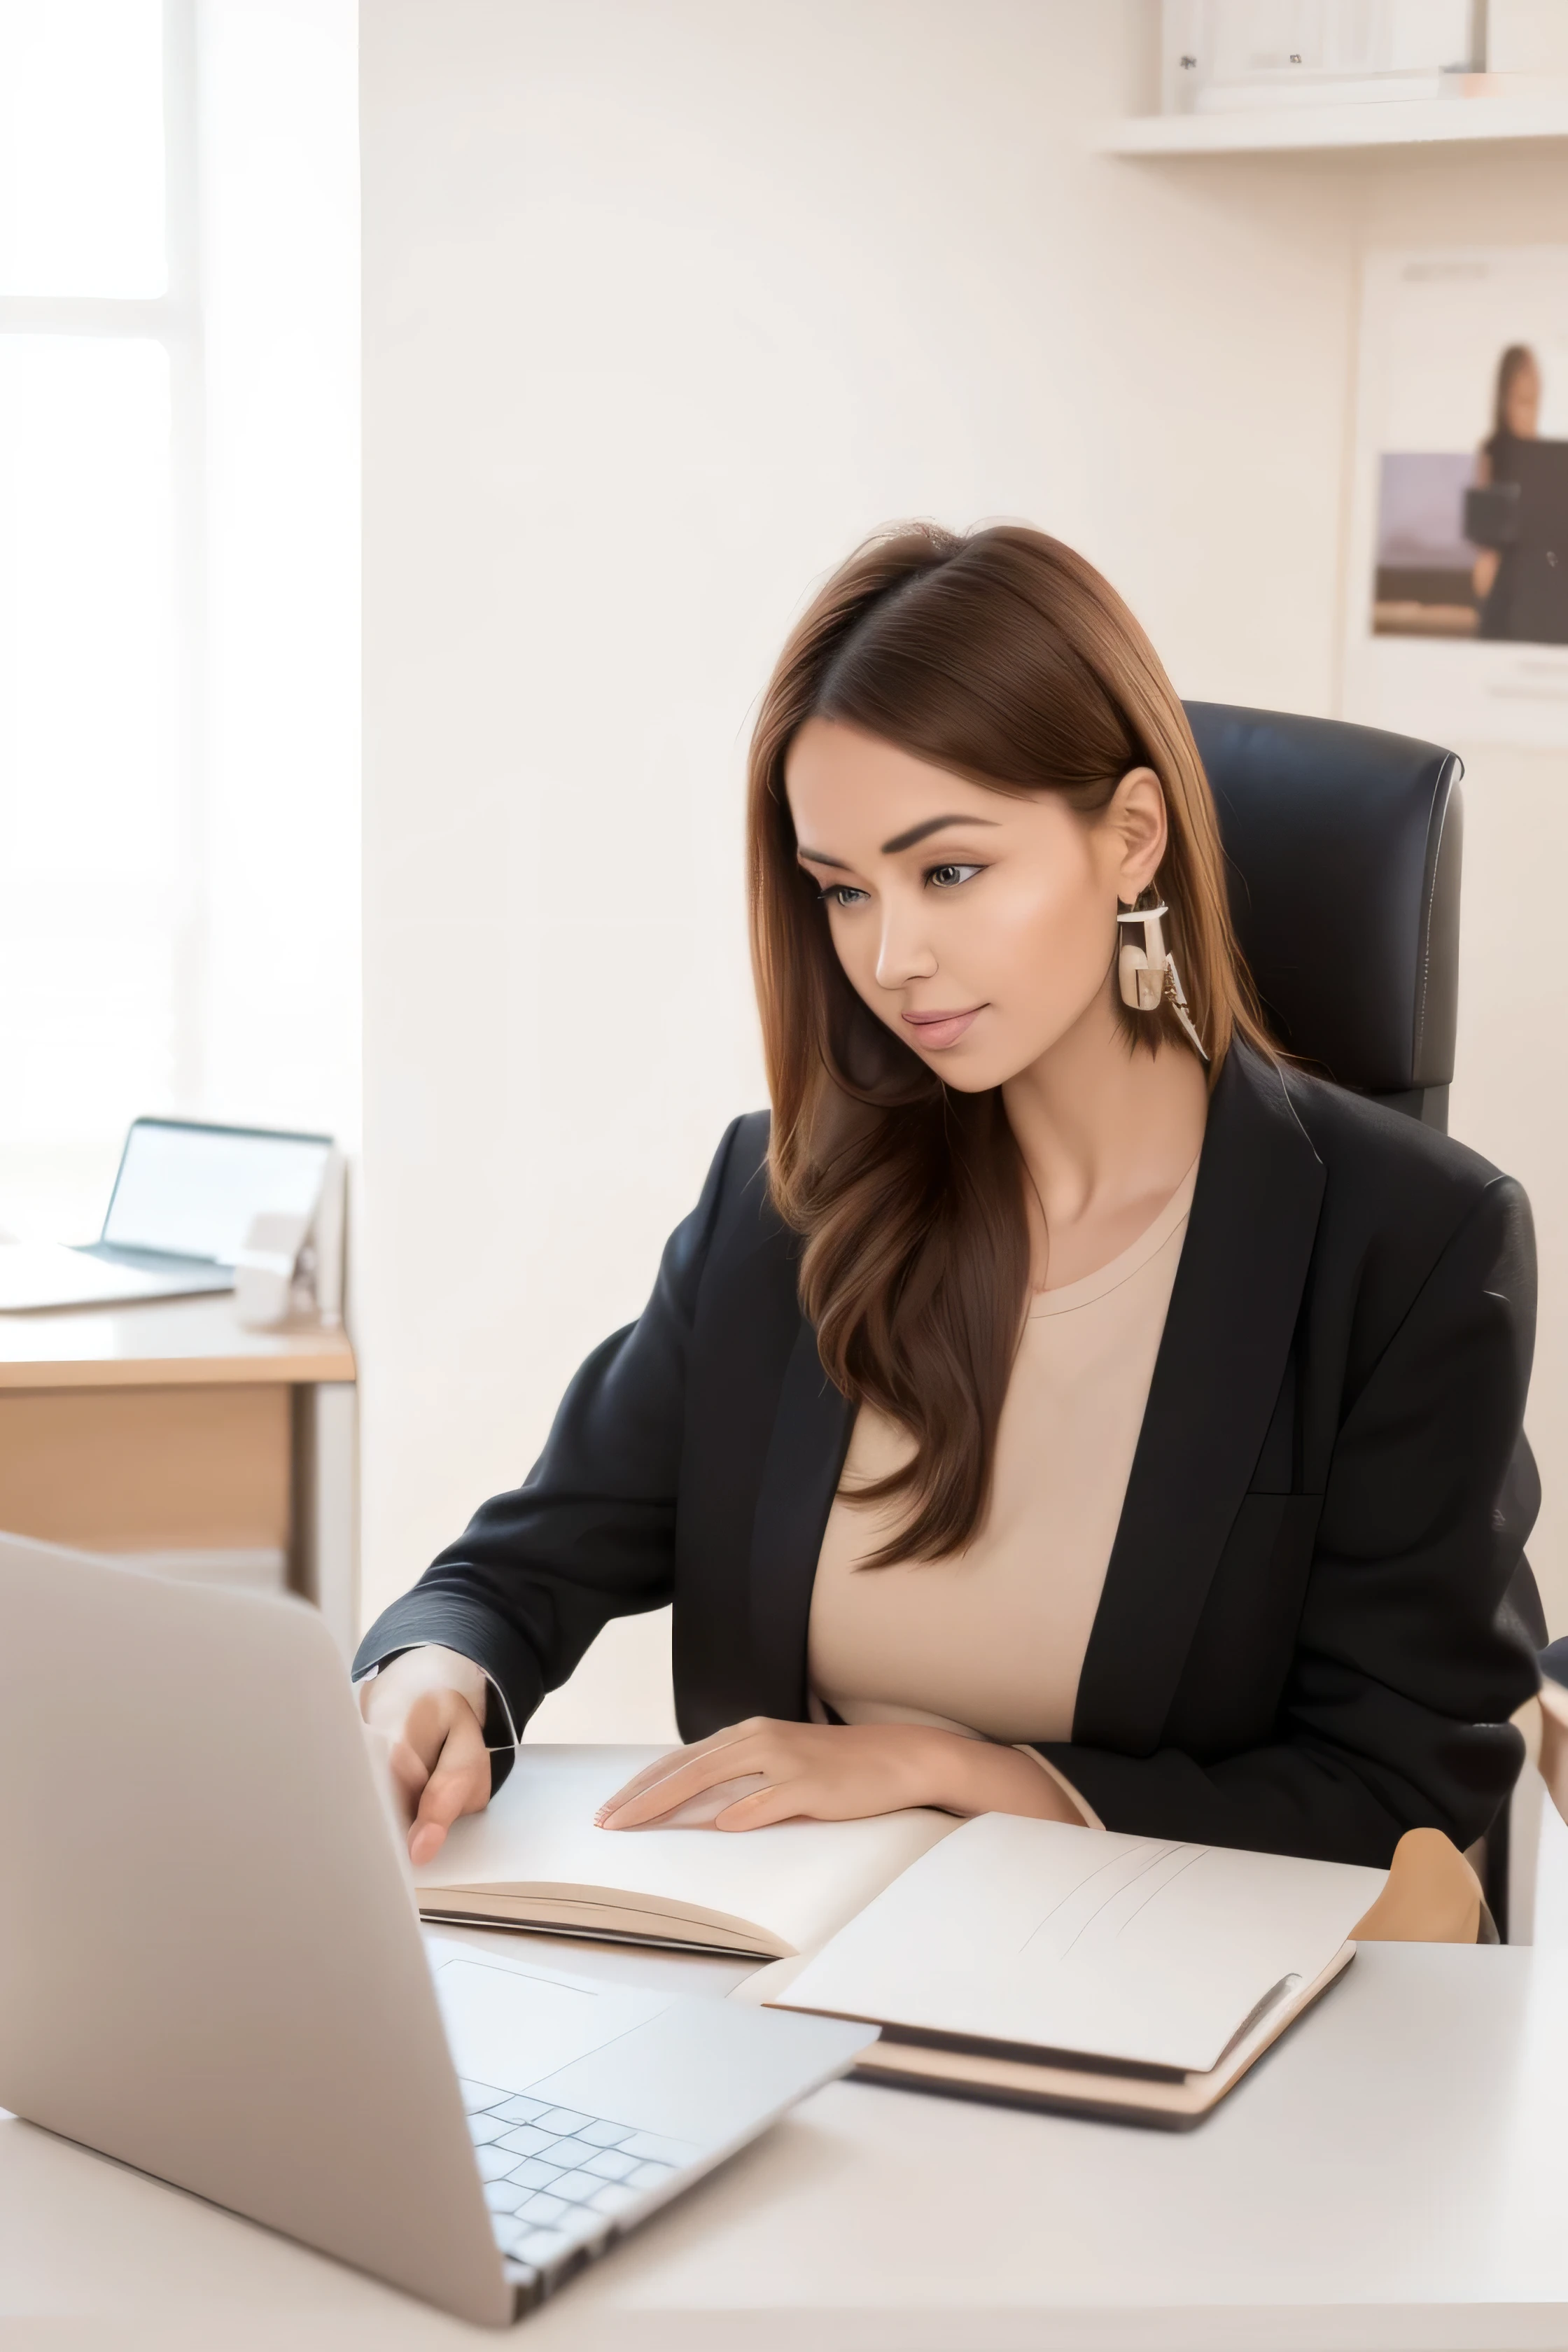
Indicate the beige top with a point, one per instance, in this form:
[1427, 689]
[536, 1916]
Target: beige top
[992, 1639]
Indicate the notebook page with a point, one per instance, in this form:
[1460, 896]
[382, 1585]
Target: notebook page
[797, 1881]
[1053, 1937]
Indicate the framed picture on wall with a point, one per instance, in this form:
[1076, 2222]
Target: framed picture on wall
[1457, 594]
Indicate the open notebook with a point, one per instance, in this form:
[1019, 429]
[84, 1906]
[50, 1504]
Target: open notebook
[1052, 1965]
[1136, 1977]
[535, 1860]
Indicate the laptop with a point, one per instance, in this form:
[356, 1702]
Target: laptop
[211, 1966]
[183, 1200]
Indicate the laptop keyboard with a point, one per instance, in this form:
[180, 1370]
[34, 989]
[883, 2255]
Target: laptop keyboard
[558, 2181]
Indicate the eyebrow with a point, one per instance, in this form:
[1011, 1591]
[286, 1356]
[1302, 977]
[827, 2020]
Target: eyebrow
[932, 825]
[899, 840]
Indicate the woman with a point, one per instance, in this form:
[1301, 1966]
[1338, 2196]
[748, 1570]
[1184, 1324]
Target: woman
[1063, 1408]
[1516, 417]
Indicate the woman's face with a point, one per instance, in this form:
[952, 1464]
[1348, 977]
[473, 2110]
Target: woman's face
[1521, 403]
[978, 926]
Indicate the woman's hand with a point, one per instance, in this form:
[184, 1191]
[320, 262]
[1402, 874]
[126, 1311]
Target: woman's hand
[427, 1708]
[836, 1772]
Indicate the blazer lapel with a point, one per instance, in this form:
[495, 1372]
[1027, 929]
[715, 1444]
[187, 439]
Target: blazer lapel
[1228, 1338]
[800, 1478]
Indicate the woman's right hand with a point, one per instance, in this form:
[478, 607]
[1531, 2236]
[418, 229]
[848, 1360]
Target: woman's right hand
[426, 1710]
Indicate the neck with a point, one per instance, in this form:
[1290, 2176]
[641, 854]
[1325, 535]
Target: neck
[1103, 1125]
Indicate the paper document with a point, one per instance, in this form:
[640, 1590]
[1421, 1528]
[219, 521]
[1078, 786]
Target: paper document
[1032, 1935]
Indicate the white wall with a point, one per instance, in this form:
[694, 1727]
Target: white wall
[664, 308]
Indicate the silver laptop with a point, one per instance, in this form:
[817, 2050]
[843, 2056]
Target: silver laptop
[211, 1966]
[184, 1201]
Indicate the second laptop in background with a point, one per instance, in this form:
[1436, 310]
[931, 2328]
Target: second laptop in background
[185, 1197]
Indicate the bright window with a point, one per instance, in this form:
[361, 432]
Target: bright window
[97, 337]
[93, 873]
[178, 580]
[81, 148]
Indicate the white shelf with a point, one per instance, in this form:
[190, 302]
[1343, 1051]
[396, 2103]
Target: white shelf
[1395, 122]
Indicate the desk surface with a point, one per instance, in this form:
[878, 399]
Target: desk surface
[1394, 2174]
[163, 1343]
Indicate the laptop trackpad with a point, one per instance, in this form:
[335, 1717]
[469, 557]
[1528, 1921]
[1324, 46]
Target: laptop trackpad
[507, 2027]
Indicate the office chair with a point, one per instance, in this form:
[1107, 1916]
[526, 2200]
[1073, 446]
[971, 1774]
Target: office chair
[1344, 846]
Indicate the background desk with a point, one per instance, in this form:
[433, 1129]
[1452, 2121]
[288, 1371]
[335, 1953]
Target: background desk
[166, 1427]
[1392, 2176]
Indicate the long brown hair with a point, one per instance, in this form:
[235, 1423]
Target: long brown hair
[1005, 659]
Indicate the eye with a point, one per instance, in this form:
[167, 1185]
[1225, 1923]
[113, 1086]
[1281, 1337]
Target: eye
[949, 877]
[841, 894]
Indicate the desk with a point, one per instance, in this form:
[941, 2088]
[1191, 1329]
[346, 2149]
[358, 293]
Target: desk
[168, 1428]
[1392, 2176]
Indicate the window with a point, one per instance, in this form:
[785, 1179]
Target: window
[178, 622]
[99, 344]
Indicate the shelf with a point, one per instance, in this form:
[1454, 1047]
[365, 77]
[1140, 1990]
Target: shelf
[1394, 122]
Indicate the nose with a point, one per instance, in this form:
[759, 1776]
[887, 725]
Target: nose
[903, 952]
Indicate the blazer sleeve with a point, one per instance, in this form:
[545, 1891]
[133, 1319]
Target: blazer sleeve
[1408, 1661]
[590, 1533]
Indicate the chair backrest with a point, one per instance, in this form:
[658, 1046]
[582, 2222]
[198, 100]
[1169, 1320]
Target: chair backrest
[1344, 846]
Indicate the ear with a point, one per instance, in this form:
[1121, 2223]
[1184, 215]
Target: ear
[1136, 830]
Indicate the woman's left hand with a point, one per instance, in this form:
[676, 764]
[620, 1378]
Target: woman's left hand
[834, 1772]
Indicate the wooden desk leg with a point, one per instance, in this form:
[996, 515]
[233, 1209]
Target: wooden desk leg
[324, 1564]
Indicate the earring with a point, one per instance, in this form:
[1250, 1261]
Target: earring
[1147, 975]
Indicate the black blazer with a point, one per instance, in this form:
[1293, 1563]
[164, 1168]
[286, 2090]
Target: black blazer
[1307, 1640]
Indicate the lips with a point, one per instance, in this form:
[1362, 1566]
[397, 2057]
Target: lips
[934, 1031]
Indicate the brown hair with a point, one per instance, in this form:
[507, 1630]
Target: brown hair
[1005, 659]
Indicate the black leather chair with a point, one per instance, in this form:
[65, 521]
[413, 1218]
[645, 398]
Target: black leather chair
[1344, 846]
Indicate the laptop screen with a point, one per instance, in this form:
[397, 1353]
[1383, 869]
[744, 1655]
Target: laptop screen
[194, 1189]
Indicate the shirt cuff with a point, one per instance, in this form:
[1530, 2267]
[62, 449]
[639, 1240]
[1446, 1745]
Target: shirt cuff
[1086, 1811]
[464, 1676]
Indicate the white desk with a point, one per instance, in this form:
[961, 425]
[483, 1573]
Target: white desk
[1396, 2175]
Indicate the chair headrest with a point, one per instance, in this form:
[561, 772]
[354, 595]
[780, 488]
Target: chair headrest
[1343, 846]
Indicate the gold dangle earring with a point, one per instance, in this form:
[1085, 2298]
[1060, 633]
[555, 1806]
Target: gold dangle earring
[1147, 975]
